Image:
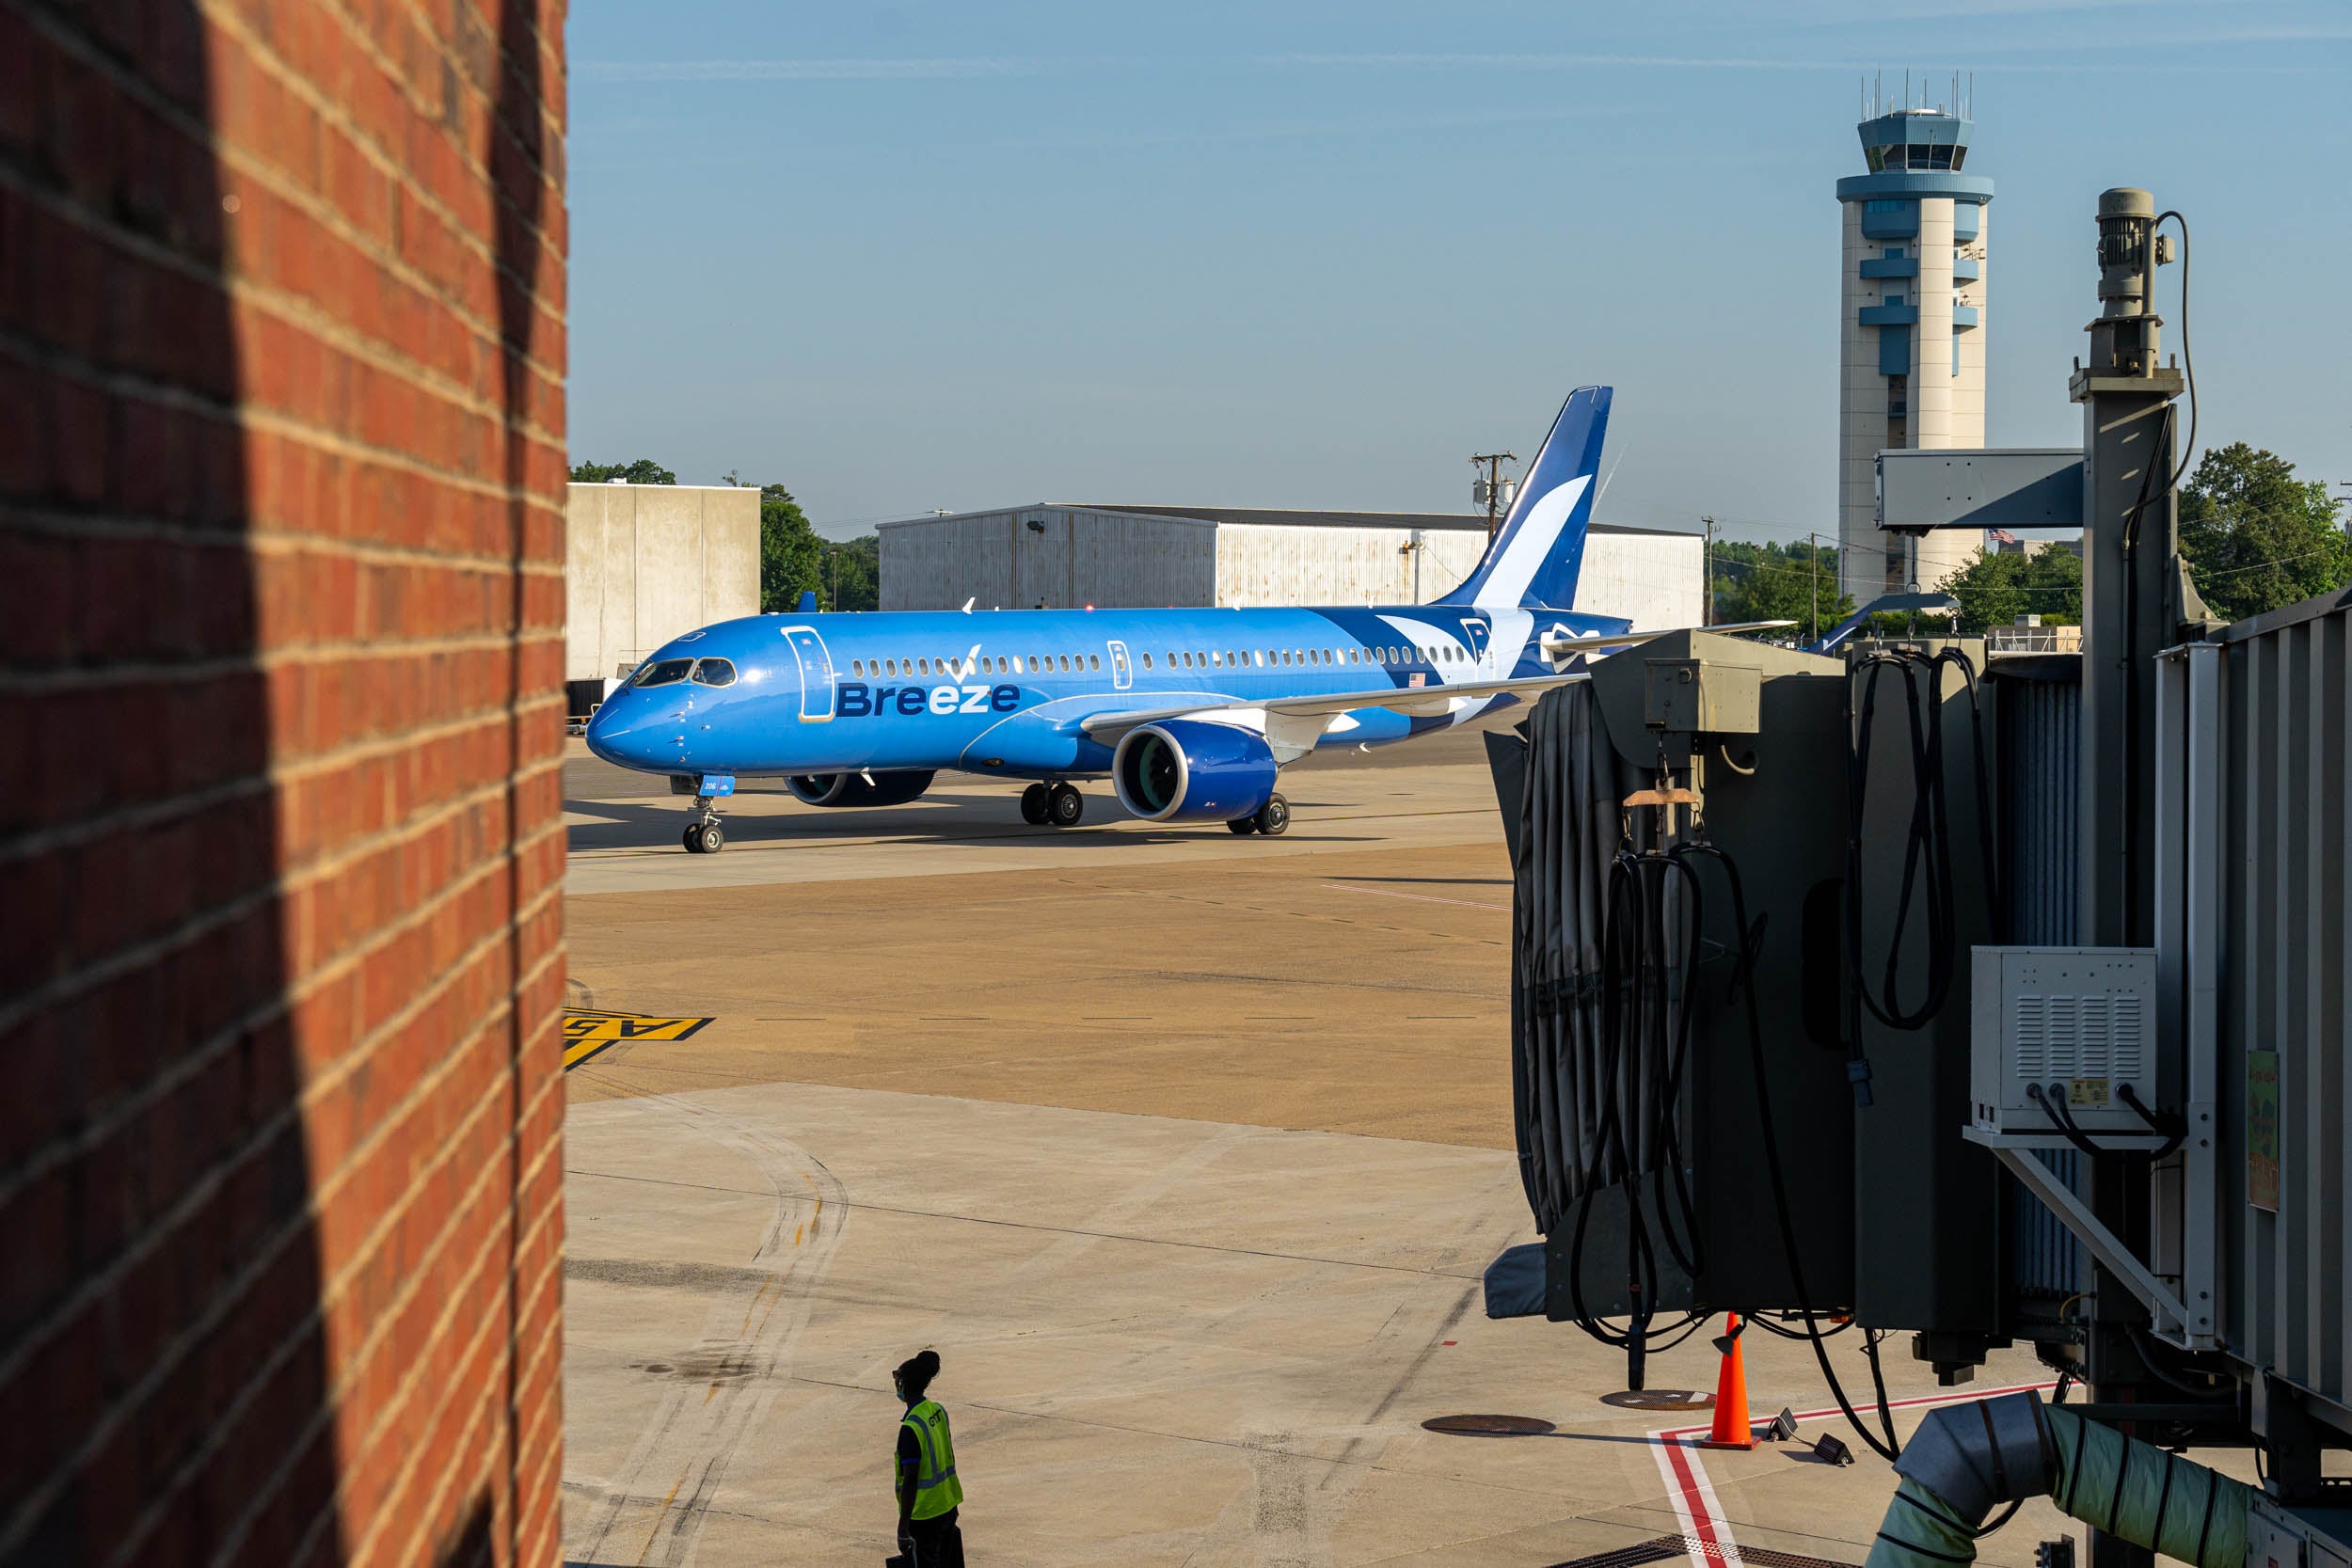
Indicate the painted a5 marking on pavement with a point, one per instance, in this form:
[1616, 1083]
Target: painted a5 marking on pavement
[588, 1031]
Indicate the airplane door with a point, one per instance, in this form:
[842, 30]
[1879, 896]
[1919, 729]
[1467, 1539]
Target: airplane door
[1123, 674]
[815, 673]
[1476, 631]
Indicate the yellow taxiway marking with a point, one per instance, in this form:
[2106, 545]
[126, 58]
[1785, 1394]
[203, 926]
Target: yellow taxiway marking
[587, 1031]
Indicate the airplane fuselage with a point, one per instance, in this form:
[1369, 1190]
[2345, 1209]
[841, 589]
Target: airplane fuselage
[1005, 692]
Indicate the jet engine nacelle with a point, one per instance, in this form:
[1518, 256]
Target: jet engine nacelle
[1192, 770]
[851, 789]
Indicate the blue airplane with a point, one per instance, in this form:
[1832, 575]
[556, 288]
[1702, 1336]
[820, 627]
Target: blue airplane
[1191, 713]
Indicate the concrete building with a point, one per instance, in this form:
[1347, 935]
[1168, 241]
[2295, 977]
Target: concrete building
[644, 563]
[1129, 557]
[1911, 320]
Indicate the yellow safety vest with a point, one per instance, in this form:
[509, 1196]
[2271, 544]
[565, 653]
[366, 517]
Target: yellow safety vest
[936, 1488]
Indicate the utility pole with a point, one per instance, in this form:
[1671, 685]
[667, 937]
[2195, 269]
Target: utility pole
[1813, 571]
[1494, 491]
[1706, 610]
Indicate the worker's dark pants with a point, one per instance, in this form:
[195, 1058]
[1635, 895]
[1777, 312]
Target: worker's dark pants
[937, 1541]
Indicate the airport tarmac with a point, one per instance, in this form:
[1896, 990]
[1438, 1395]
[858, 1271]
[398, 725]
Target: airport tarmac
[1185, 1151]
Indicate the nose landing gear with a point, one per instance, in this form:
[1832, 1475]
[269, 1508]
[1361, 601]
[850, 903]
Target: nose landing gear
[703, 836]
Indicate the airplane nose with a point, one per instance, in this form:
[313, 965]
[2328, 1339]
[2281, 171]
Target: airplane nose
[630, 732]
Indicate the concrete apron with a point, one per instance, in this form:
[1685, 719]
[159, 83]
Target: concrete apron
[1165, 1341]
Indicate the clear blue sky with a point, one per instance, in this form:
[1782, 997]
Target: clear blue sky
[916, 256]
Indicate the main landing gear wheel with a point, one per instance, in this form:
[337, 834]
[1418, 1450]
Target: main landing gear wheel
[1033, 805]
[704, 838]
[1243, 825]
[1064, 806]
[1274, 817]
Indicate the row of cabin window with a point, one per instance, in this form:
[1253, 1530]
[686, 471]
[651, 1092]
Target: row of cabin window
[986, 664]
[1210, 659]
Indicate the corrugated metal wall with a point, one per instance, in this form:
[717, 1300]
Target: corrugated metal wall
[1282, 563]
[2041, 707]
[2286, 1094]
[1655, 580]
[1077, 556]
[1117, 559]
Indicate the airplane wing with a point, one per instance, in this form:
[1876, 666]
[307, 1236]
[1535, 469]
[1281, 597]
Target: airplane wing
[1313, 713]
[1316, 710]
[1565, 646]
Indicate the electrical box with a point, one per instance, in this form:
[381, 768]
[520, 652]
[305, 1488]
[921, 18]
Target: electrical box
[2281, 1535]
[2078, 1023]
[1693, 696]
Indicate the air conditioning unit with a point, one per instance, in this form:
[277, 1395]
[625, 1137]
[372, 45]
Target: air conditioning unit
[2078, 1024]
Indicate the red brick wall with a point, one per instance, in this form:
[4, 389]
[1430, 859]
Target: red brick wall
[281, 436]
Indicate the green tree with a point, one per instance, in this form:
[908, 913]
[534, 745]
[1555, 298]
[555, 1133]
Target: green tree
[853, 573]
[1780, 582]
[2255, 536]
[644, 471]
[1994, 589]
[789, 551]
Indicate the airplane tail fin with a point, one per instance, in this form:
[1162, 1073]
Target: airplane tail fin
[1539, 549]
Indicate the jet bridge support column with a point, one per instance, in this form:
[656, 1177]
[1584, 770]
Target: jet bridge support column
[2131, 577]
[2132, 610]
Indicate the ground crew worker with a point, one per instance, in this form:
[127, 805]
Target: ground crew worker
[925, 1472]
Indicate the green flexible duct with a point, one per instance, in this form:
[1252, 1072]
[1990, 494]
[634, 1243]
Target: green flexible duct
[2134, 1490]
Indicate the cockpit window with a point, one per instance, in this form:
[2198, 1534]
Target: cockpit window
[714, 672]
[664, 672]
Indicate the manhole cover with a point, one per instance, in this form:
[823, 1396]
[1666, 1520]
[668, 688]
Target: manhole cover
[1660, 1399]
[1489, 1426]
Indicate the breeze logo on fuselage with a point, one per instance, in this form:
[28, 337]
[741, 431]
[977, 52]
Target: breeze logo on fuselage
[856, 700]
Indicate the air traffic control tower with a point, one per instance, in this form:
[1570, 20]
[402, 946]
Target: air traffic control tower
[1912, 369]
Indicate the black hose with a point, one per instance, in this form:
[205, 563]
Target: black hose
[1743, 980]
[2053, 1103]
[2145, 1342]
[1640, 1005]
[1928, 881]
[1755, 1321]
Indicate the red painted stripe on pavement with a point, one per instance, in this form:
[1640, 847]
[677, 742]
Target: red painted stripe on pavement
[1687, 1474]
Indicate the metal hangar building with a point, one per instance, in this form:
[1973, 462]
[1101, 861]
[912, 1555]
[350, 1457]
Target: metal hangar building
[1058, 555]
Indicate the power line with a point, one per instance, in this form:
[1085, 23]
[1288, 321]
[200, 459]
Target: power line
[2263, 565]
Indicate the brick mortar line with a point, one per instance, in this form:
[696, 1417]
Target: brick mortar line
[234, 155]
[285, 1001]
[518, 1174]
[551, 128]
[79, 831]
[224, 1422]
[357, 1359]
[324, 439]
[234, 281]
[487, 1331]
[296, 1112]
[495, 128]
[47, 522]
[246, 414]
[307, 315]
[206, 1185]
[322, 654]
[241, 285]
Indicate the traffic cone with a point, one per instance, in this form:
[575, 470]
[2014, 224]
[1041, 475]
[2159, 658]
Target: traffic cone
[1731, 1428]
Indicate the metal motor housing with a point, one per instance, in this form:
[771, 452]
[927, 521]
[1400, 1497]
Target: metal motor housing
[1192, 770]
[856, 789]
